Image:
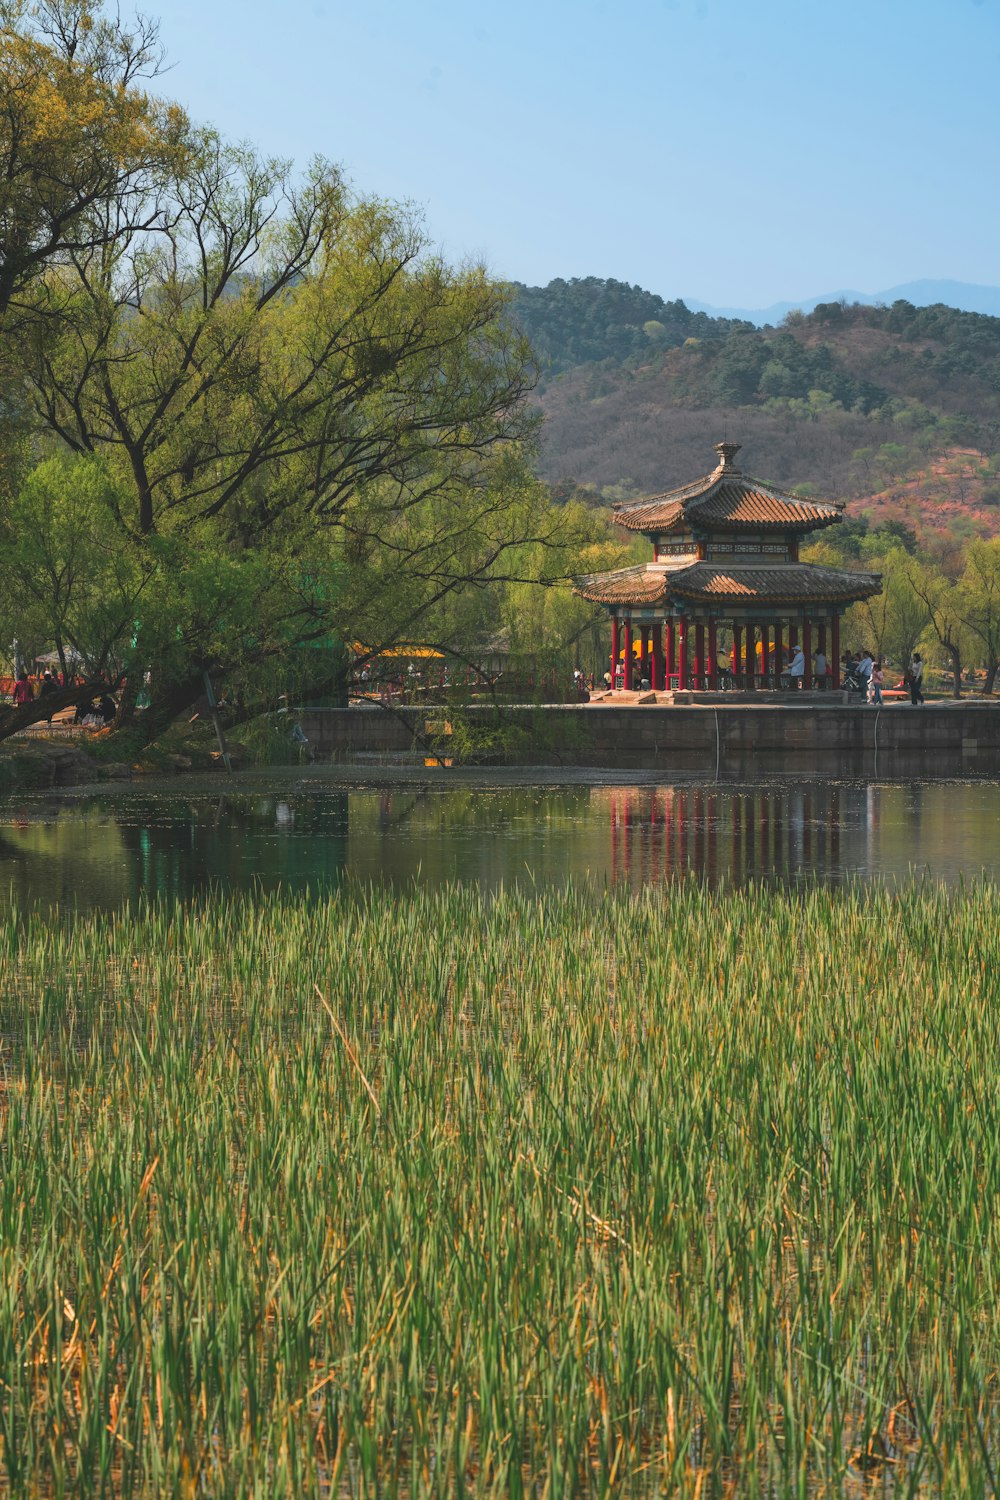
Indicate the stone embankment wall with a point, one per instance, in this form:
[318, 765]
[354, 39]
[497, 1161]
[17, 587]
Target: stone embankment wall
[898, 740]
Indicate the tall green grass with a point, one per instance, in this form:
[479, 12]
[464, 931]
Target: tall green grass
[544, 1194]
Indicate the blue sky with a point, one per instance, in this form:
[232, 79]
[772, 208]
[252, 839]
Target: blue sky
[733, 151]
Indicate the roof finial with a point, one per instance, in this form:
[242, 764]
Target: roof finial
[727, 454]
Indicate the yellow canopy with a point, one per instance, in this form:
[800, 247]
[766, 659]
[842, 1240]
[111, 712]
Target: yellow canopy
[403, 651]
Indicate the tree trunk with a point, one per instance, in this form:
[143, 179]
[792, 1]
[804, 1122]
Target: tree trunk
[956, 668]
[126, 703]
[13, 720]
[991, 677]
[147, 727]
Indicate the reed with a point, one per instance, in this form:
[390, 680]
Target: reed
[550, 1194]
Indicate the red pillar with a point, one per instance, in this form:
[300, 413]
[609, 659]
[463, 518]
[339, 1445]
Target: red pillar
[627, 680]
[644, 651]
[655, 674]
[699, 661]
[615, 647]
[822, 646]
[682, 661]
[807, 652]
[779, 653]
[750, 655]
[713, 652]
[737, 655]
[835, 652]
[668, 674]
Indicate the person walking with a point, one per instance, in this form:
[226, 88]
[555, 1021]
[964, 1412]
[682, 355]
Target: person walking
[22, 690]
[48, 686]
[819, 670]
[916, 679]
[875, 681]
[797, 670]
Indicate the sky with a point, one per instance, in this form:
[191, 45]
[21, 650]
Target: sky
[736, 152]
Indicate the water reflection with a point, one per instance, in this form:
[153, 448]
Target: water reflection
[99, 851]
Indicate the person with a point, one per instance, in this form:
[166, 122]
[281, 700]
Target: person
[875, 680]
[864, 671]
[724, 670]
[797, 669]
[22, 690]
[48, 686]
[607, 680]
[916, 679]
[819, 669]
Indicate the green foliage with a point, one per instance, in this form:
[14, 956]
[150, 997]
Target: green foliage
[589, 319]
[70, 578]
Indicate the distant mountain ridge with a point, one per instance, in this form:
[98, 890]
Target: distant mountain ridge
[897, 406]
[964, 295]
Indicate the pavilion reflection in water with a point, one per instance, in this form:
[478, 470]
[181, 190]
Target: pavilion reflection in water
[726, 835]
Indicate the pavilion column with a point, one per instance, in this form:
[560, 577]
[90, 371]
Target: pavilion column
[627, 678]
[682, 656]
[835, 651]
[668, 664]
[765, 654]
[822, 647]
[736, 659]
[614, 652]
[750, 655]
[713, 652]
[699, 661]
[644, 651]
[656, 658]
[779, 654]
[807, 652]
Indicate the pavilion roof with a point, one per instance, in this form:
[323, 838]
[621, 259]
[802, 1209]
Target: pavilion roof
[735, 583]
[727, 500]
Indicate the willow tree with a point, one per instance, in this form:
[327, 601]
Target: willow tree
[83, 144]
[311, 422]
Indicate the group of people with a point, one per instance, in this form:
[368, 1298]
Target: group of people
[865, 674]
[862, 673]
[96, 713]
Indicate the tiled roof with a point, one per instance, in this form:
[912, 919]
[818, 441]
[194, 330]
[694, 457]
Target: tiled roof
[638, 585]
[727, 500]
[748, 502]
[789, 583]
[710, 583]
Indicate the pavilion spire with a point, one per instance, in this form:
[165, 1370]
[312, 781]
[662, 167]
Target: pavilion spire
[727, 456]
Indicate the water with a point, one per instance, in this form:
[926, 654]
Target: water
[90, 850]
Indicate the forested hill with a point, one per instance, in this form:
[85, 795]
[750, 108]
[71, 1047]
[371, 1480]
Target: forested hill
[583, 321]
[900, 403]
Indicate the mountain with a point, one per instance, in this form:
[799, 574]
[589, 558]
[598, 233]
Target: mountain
[964, 295]
[893, 407]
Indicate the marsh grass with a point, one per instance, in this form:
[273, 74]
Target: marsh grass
[560, 1193]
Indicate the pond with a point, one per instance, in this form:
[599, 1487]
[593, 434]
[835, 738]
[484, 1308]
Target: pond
[90, 849]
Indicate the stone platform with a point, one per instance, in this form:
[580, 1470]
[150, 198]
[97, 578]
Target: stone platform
[817, 735]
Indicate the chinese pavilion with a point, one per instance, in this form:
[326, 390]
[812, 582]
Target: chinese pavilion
[726, 553]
